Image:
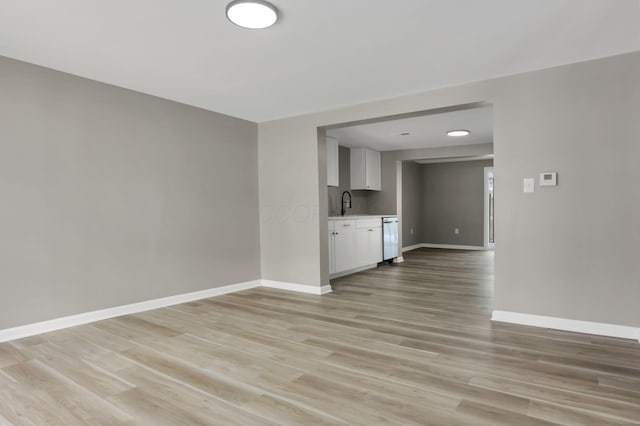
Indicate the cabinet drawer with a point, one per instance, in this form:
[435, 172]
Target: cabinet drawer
[344, 225]
[375, 222]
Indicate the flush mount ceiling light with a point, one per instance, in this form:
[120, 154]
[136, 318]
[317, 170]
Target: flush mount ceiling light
[456, 133]
[252, 14]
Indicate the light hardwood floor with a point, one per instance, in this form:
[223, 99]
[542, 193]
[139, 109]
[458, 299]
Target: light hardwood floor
[400, 344]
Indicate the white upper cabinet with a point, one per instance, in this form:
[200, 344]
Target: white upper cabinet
[333, 162]
[365, 169]
[373, 169]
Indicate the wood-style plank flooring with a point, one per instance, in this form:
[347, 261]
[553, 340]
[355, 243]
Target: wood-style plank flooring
[401, 344]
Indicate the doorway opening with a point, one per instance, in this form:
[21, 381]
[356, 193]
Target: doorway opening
[366, 160]
[443, 203]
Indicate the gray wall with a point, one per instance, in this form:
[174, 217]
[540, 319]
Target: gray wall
[556, 253]
[572, 250]
[360, 199]
[111, 197]
[453, 197]
[412, 203]
[389, 199]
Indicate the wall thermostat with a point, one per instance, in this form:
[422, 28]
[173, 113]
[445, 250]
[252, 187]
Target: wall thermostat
[549, 179]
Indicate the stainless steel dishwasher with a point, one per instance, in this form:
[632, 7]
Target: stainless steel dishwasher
[389, 238]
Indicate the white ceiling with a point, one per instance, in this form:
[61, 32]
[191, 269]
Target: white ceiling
[426, 131]
[322, 54]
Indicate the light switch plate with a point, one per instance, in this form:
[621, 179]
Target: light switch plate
[529, 184]
[549, 179]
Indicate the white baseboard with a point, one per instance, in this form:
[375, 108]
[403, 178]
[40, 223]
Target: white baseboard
[117, 311]
[413, 247]
[398, 259]
[453, 247]
[588, 327]
[301, 288]
[352, 271]
[444, 246]
[134, 308]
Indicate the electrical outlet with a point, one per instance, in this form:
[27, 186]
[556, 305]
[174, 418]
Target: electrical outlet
[456, 231]
[411, 231]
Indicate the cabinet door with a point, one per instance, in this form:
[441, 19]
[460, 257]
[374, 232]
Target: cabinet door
[365, 169]
[332, 259]
[374, 252]
[373, 170]
[345, 247]
[369, 243]
[362, 246]
[358, 166]
[333, 162]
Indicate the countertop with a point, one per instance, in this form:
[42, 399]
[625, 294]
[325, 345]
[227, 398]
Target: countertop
[361, 216]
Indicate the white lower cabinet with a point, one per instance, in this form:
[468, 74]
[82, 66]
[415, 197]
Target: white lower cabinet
[344, 245]
[332, 263]
[369, 245]
[354, 243]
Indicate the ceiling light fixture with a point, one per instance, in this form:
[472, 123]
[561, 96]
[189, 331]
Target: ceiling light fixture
[252, 14]
[457, 133]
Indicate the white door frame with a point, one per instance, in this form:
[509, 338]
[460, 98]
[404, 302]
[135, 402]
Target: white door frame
[487, 171]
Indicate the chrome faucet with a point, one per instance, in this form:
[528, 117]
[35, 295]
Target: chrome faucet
[348, 202]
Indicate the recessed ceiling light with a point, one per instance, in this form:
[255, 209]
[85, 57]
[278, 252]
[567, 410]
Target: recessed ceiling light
[456, 133]
[252, 14]
[405, 134]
